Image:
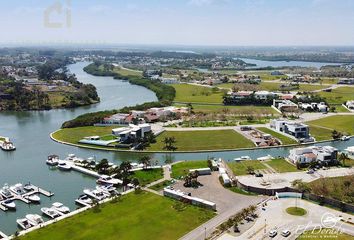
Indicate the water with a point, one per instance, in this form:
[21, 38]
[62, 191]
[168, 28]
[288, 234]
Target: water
[263, 63]
[30, 132]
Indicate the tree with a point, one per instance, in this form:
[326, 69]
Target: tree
[135, 182]
[250, 170]
[146, 161]
[342, 157]
[125, 166]
[300, 185]
[169, 144]
[336, 134]
[102, 166]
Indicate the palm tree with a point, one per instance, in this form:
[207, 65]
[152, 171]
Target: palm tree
[146, 161]
[342, 157]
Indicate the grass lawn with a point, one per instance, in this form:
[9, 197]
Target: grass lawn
[315, 235]
[284, 139]
[243, 110]
[340, 108]
[74, 135]
[338, 95]
[342, 123]
[136, 216]
[160, 186]
[191, 93]
[296, 211]
[203, 140]
[182, 168]
[240, 168]
[275, 86]
[127, 72]
[147, 176]
[339, 188]
[320, 133]
[281, 165]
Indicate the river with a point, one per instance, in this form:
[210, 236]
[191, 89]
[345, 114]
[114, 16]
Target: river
[275, 64]
[30, 133]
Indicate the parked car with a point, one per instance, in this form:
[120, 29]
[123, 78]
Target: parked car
[273, 233]
[311, 171]
[285, 233]
[259, 175]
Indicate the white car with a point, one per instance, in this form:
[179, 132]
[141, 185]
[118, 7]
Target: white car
[273, 233]
[285, 233]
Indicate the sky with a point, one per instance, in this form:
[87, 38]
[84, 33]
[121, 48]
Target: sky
[178, 22]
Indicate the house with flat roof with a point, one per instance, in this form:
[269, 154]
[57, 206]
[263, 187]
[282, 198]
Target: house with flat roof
[285, 105]
[132, 131]
[321, 154]
[297, 130]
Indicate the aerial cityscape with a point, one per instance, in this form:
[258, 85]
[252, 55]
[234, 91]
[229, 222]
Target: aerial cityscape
[189, 120]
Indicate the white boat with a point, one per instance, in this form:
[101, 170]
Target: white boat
[107, 188]
[18, 189]
[8, 146]
[345, 138]
[5, 191]
[28, 187]
[96, 194]
[50, 212]
[52, 160]
[10, 204]
[24, 223]
[104, 179]
[35, 218]
[268, 157]
[60, 207]
[33, 198]
[84, 199]
[242, 158]
[64, 166]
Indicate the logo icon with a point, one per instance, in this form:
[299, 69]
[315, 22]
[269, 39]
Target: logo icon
[64, 12]
[329, 220]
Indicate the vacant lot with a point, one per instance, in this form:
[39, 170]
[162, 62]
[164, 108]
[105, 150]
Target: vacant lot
[237, 110]
[284, 139]
[338, 95]
[320, 133]
[281, 165]
[147, 176]
[136, 216]
[182, 168]
[191, 93]
[203, 140]
[240, 168]
[342, 123]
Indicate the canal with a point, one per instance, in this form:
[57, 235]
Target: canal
[30, 133]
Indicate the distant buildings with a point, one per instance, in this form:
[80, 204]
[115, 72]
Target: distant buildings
[325, 154]
[298, 130]
[285, 105]
[347, 81]
[314, 107]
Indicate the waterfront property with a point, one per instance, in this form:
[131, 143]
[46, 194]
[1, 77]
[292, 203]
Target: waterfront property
[341, 123]
[284, 139]
[156, 218]
[298, 130]
[285, 105]
[323, 155]
[131, 132]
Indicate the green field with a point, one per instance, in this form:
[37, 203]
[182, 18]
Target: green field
[191, 93]
[203, 140]
[338, 95]
[147, 176]
[182, 168]
[281, 165]
[241, 110]
[275, 86]
[315, 235]
[320, 133]
[342, 123]
[296, 211]
[127, 72]
[74, 135]
[240, 168]
[284, 139]
[134, 217]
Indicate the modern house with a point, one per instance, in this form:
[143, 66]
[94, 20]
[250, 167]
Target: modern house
[321, 154]
[119, 119]
[347, 81]
[132, 131]
[350, 105]
[314, 107]
[350, 152]
[298, 130]
[285, 105]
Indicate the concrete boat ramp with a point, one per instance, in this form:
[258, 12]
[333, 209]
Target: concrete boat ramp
[23, 197]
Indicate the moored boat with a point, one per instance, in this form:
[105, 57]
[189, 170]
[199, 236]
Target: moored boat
[5, 191]
[345, 138]
[24, 223]
[33, 198]
[104, 179]
[84, 199]
[96, 194]
[52, 160]
[60, 207]
[62, 165]
[10, 204]
[242, 158]
[18, 189]
[50, 212]
[8, 146]
[35, 218]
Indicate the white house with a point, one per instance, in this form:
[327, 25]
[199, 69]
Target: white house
[320, 154]
[350, 152]
[298, 130]
[132, 131]
[285, 105]
[350, 104]
[264, 95]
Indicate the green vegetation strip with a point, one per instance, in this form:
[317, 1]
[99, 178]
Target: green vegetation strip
[135, 216]
[284, 139]
[160, 186]
[191, 93]
[147, 176]
[296, 211]
[281, 165]
[341, 123]
[182, 169]
[328, 234]
[203, 140]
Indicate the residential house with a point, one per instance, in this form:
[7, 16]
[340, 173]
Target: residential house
[132, 131]
[350, 105]
[298, 130]
[285, 105]
[321, 154]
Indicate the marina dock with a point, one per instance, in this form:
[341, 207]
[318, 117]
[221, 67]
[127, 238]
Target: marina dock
[3, 235]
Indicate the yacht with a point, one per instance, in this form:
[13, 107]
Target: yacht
[35, 218]
[24, 223]
[84, 199]
[345, 138]
[18, 189]
[242, 158]
[96, 194]
[8, 146]
[5, 191]
[33, 198]
[265, 158]
[64, 166]
[107, 188]
[52, 160]
[60, 207]
[50, 212]
[104, 179]
[10, 204]
[28, 187]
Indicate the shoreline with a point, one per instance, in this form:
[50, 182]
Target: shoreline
[194, 151]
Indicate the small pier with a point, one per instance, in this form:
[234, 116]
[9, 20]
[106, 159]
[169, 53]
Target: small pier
[82, 203]
[3, 235]
[23, 197]
[84, 170]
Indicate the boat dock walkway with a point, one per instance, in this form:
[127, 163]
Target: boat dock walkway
[3, 235]
[82, 169]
